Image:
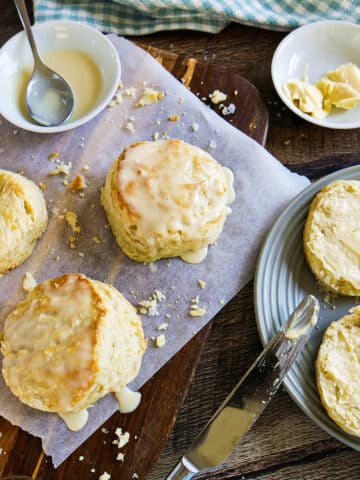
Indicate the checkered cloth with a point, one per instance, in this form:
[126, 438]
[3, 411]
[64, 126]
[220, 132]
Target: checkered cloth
[139, 17]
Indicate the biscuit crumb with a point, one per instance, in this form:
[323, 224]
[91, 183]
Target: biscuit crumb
[155, 136]
[120, 457]
[130, 92]
[122, 438]
[54, 155]
[160, 341]
[78, 183]
[236, 92]
[217, 97]
[29, 282]
[81, 254]
[201, 283]
[63, 169]
[174, 118]
[228, 110]
[149, 307]
[129, 127]
[81, 458]
[42, 186]
[149, 96]
[181, 100]
[85, 168]
[118, 98]
[105, 476]
[194, 126]
[163, 326]
[153, 267]
[196, 311]
[135, 476]
[72, 219]
[96, 239]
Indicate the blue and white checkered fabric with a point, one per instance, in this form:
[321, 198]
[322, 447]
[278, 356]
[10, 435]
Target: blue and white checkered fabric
[139, 17]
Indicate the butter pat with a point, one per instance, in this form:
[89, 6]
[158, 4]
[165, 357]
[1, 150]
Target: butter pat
[341, 87]
[307, 97]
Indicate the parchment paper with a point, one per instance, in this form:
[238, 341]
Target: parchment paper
[263, 187]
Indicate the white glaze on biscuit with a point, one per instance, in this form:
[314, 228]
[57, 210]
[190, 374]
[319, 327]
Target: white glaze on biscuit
[166, 198]
[69, 343]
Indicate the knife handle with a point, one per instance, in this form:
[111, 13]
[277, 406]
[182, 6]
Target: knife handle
[180, 472]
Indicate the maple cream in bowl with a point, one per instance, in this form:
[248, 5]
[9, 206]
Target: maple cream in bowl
[81, 54]
[316, 73]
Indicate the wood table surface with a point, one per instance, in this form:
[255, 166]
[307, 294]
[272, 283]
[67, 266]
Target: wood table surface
[284, 444]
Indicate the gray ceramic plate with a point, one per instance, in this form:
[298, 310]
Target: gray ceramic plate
[282, 279]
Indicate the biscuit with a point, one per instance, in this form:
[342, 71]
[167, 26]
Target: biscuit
[23, 218]
[69, 343]
[332, 237]
[338, 372]
[166, 199]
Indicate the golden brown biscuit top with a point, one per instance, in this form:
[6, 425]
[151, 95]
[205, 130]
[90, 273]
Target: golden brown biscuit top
[16, 212]
[51, 337]
[334, 230]
[171, 186]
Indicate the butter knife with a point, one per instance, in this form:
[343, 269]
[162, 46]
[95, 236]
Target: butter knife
[251, 395]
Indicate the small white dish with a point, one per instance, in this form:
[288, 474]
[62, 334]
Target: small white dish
[15, 55]
[319, 47]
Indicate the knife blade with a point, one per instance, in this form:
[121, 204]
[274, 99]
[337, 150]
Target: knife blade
[251, 395]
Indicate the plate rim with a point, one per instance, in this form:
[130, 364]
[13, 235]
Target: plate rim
[299, 201]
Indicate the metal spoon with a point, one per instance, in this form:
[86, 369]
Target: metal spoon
[49, 98]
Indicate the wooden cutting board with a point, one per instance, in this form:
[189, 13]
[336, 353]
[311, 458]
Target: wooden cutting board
[163, 395]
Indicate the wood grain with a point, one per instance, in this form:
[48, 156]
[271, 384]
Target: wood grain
[285, 444]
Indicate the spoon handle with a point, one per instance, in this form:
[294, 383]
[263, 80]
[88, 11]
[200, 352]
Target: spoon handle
[25, 20]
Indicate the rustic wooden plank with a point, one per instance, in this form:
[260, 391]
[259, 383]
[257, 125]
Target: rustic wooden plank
[234, 343]
[337, 465]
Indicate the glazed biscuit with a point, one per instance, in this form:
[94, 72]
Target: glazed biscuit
[69, 343]
[332, 237]
[23, 218]
[166, 199]
[338, 372]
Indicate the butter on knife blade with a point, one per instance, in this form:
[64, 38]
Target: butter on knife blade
[251, 395]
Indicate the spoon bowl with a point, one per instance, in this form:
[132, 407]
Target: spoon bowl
[49, 98]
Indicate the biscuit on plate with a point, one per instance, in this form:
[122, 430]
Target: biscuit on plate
[69, 343]
[338, 372]
[332, 237]
[166, 199]
[23, 218]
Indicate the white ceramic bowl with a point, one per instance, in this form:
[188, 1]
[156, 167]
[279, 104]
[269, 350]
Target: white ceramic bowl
[322, 46]
[56, 35]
